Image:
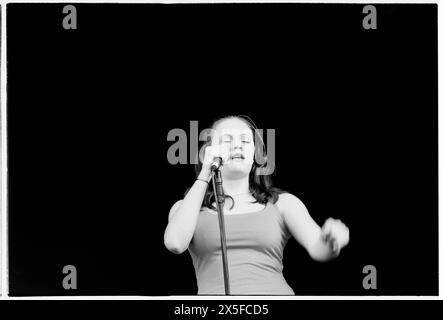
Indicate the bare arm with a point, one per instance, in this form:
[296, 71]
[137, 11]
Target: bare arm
[184, 213]
[322, 244]
[183, 218]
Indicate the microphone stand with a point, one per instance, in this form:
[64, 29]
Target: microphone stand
[219, 200]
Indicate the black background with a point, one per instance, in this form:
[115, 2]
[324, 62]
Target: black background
[89, 110]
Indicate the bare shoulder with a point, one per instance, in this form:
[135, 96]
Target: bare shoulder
[288, 202]
[174, 209]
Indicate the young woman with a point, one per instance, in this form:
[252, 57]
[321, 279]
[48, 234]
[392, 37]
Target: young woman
[259, 219]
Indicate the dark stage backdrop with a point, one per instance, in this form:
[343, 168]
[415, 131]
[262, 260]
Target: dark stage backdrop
[89, 110]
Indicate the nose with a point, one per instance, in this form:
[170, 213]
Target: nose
[237, 143]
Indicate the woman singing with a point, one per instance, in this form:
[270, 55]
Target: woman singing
[259, 218]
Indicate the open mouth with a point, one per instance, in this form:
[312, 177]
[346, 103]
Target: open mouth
[237, 157]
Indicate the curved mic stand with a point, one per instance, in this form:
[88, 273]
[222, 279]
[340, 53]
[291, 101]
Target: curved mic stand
[219, 200]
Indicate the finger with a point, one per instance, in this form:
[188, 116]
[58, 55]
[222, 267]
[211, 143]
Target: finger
[214, 152]
[345, 239]
[334, 245]
[327, 226]
[208, 155]
[215, 138]
[326, 235]
[329, 223]
[224, 154]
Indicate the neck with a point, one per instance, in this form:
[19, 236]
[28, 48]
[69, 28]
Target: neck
[237, 186]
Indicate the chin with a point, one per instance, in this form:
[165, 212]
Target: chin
[236, 172]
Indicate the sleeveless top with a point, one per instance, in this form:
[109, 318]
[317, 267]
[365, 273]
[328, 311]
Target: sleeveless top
[255, 242]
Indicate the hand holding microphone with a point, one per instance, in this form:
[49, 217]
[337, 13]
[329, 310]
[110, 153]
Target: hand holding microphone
[217, 163]
[213, 159]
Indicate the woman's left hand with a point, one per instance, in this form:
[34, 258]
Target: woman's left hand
[335, 233]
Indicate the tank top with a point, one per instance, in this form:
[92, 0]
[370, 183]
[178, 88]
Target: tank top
[255, 242]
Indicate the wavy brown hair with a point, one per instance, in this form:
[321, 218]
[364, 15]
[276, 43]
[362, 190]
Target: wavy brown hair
[260, 185]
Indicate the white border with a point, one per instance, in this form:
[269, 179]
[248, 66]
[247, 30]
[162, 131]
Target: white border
[221, 1]
[4, 170]
[440, 162]
[236, 298]
[3, 197]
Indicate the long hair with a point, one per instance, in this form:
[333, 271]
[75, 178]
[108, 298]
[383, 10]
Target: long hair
[260, 185]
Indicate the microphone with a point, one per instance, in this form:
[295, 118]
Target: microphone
[216, 163]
